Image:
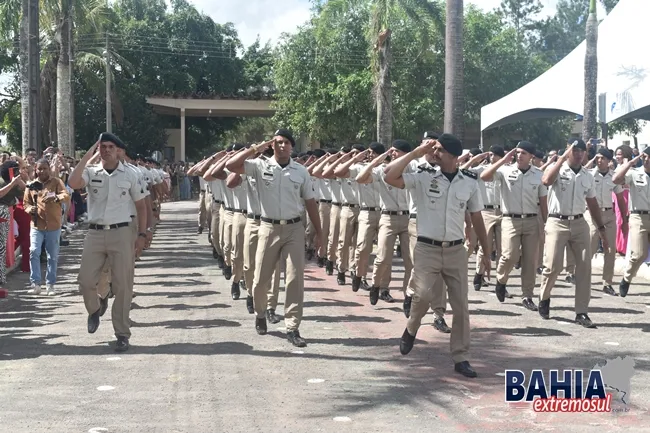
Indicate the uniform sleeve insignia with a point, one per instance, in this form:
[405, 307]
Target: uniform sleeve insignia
[469, 174]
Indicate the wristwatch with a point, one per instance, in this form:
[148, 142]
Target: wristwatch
[150, 229]
[144, 235]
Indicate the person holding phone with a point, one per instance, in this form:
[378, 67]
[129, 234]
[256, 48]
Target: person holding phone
[11, 187]
[43, 200]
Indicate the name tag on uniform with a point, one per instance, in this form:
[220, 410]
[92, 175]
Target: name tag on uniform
[267, 176]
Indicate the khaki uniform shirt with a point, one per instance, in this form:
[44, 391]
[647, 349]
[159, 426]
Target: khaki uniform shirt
[217, 193]
[566, 196]
[605, 187]
[390, 198]
[639, 183]
[520, 192]
[349, 191]
[280, 189]
[368, 192]
[325, 189]
[490, 192]
[110, 195]
[442, 204]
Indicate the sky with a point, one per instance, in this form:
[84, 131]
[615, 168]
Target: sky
[270, 18]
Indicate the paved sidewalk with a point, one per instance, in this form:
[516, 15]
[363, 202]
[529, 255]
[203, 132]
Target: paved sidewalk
[197, 365]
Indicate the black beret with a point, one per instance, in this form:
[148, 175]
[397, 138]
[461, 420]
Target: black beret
[237, 146]
[112, 138]
[539, 154]
[346, 149]
[579, 144]
[318, 153]
[359, 147]
[402, 145]
[606, 153]
[475, 151]
[294, 154]
[647, 150]
[286, 134]
[430, 135]
[451, 144]
[302, 154]
[498, 151]
[527, 146]
[309, 152]
[378, 148]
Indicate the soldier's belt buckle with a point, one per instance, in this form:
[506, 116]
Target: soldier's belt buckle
[571, 218]
[106, 227]
[283, 222]
[445, 244]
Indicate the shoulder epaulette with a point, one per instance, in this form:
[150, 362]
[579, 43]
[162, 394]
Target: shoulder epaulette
[469, 173]
[424, 168]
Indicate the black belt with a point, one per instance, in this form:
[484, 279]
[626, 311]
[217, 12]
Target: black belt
[336, 204]
[280, 222]
[218, 201]
[566, 217]
[489, 206]
[107, 227]
[250, 216]
[394, 212]
[640, 212]
[202, 190]
[326, 201]
[376, 209]
[132, 216]
[413, 216]
[244, 211]
[440, 243]
[520, 216]
[605, 209]
[351, 205]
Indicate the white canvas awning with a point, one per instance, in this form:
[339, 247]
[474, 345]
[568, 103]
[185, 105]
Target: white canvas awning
[623, 75]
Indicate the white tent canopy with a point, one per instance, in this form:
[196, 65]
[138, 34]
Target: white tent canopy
[623, 75]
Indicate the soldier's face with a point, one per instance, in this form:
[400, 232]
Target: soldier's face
[523, 158]
[576, 156]
[441, 156]
[282, 148]
[602, 163]
[108, 150]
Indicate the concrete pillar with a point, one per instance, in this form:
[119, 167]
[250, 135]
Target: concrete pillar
[182, 155]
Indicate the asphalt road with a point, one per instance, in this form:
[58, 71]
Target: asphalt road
[196, 363]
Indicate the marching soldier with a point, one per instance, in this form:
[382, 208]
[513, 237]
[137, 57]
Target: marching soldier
[283, 183]
[442, 196]
[216, 186]
[570, 185]
[522, 193]
[111, 189]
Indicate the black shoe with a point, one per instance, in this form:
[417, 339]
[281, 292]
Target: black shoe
[406, 342]
[407, 305]
[249, 305]
[493, 256]
[374, 295]
[508, 295]
[340, 278]
[122, 344]
[215, 254]
[465, 369]
[295, 338]
[110, 290]
[500, 290]
[364, 285]
[227, 272]
[103, 305]
[484, 282]
[584, 320]
[93, 321]
[441, 325]
[540, 270]
[385, 296]
[623, 288]
[518, 265]
[272, 317]
[133, 295]
[544, 309]
[310, 254]
[260, 326]
[221, 264]
[609, 290]
[234, 291]
[529, 304]
[320, 262]
[329, 267]
[199, 231]
[242, 285]
[478, 282]
[398, 250]
[356, 283]
[571, 279]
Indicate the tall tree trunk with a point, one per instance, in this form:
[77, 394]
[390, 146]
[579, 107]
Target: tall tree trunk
[23, 55]
[454, 70]
[590, 120]
[34, 74]
[71, 129]
[48, 101]
[63, 91]
[384, 91]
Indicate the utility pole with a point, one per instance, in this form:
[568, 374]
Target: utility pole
[109, 104]
[34, 75]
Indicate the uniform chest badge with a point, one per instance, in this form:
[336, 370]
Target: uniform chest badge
[123, 192]
[462, 205]
[390, 188]
[267, 183]
[95, 190]
[296, 186]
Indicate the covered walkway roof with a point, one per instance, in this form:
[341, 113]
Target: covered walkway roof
[623, 76]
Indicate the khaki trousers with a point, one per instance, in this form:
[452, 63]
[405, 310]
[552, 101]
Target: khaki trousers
[226, 236]
[575, 235]
[115, 247]
[324, 210]
[202, 217]
[251, 238]
[609, 220]
[275, 243]
[390, 228]
[208, 209]
[637, 244]
[542, 237]
[216, 227]
[519, 237]
[222, 221]
[439, 290]
[368, 230]
[449, 264]
[237, 242]
[335, 227]
[348, 239]
[310, 233]
[104, 284]
[570, 261]
[492, 221]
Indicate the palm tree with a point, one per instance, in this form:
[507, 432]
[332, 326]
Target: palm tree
[454, 70]
[590, 122]
[424, 14]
